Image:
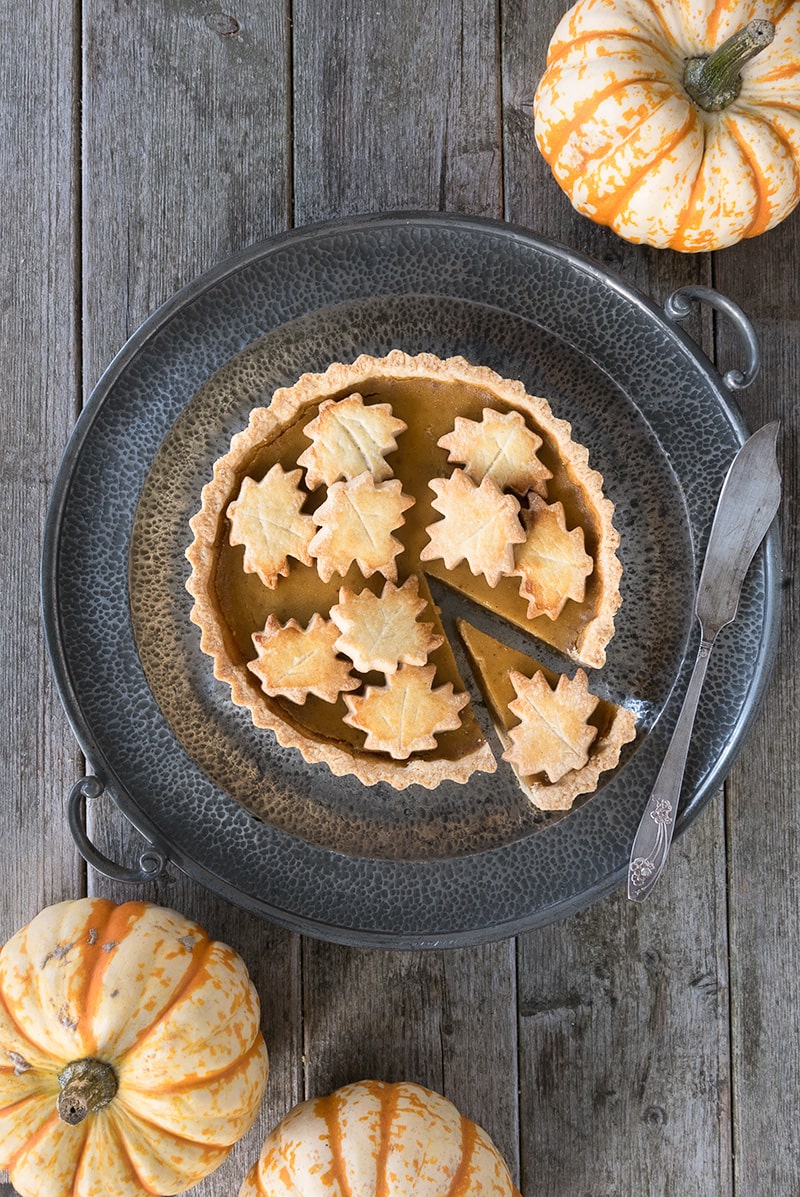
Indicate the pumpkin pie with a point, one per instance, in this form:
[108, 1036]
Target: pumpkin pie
[558, 736]
[318, 533]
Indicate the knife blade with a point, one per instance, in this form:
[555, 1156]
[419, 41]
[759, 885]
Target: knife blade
[747, 505]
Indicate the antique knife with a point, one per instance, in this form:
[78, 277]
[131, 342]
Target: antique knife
[747, 505]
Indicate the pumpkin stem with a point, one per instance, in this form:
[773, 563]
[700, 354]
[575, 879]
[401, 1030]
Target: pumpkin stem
[86, 1086]
[714, 80]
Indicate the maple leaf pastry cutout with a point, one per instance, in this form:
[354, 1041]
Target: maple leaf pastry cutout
[294, 662]
[406, 714]
[480, 526]
[553, 736]
[500, 447]
[349, 438]
[384, 632]
[552, 562]
[356, 522]
[266, 519]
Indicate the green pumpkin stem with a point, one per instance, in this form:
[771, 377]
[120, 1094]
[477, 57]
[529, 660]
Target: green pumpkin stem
[715, 80]
[86, 1087]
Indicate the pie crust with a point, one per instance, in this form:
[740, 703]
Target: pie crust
[500, 672]
[429, 438]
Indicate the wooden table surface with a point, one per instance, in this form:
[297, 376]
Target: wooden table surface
[645, 1049]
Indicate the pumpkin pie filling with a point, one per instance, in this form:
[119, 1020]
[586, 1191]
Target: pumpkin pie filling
[427, 395]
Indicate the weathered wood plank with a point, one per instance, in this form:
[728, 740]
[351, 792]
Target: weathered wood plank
[395, 107]
[40, 365]
[624, 1058]
[186, 152]
[186, 159]
[624, 1050]
[446, 1020]
[764, 788]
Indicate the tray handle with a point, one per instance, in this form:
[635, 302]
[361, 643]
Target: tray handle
[152, 862]
[679, 306]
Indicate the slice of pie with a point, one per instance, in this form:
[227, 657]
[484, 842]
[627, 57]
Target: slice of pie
[329, 512]
[558, 737]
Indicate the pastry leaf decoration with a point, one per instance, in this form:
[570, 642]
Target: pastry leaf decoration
[355, 523]
[553, 736]
[382, 632]
[552, 562]
[349, 437]
[294, 662]
[480, 526]
[266, 519]
[500, 447]
[405, 715]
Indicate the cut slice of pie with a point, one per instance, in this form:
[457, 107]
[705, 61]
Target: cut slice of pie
[359, 494]
[558, 737]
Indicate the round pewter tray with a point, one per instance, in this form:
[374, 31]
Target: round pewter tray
[324, 855]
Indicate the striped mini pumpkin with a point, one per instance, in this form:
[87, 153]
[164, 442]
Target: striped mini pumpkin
[131, 1057]
[676, 122]
[375, 1139]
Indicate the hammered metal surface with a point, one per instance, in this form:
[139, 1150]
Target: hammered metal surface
[328, 856]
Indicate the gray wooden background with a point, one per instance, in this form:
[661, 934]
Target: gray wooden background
[649, 1050]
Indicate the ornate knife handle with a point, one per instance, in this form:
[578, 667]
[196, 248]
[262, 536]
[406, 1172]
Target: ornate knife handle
[652, 842]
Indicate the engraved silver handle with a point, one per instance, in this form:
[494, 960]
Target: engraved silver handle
[653, 839]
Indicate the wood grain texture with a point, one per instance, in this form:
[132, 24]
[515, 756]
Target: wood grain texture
[396, 107]
[446, 1020]
[40, 368]
[623, 1044]
[186, 149]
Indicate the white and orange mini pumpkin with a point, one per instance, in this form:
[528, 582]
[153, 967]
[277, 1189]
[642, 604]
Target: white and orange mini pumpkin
[374, 1138]
[131, 1057]
[675, 122]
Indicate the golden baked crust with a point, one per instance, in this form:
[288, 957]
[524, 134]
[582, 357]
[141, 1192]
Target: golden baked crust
[413, 403]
